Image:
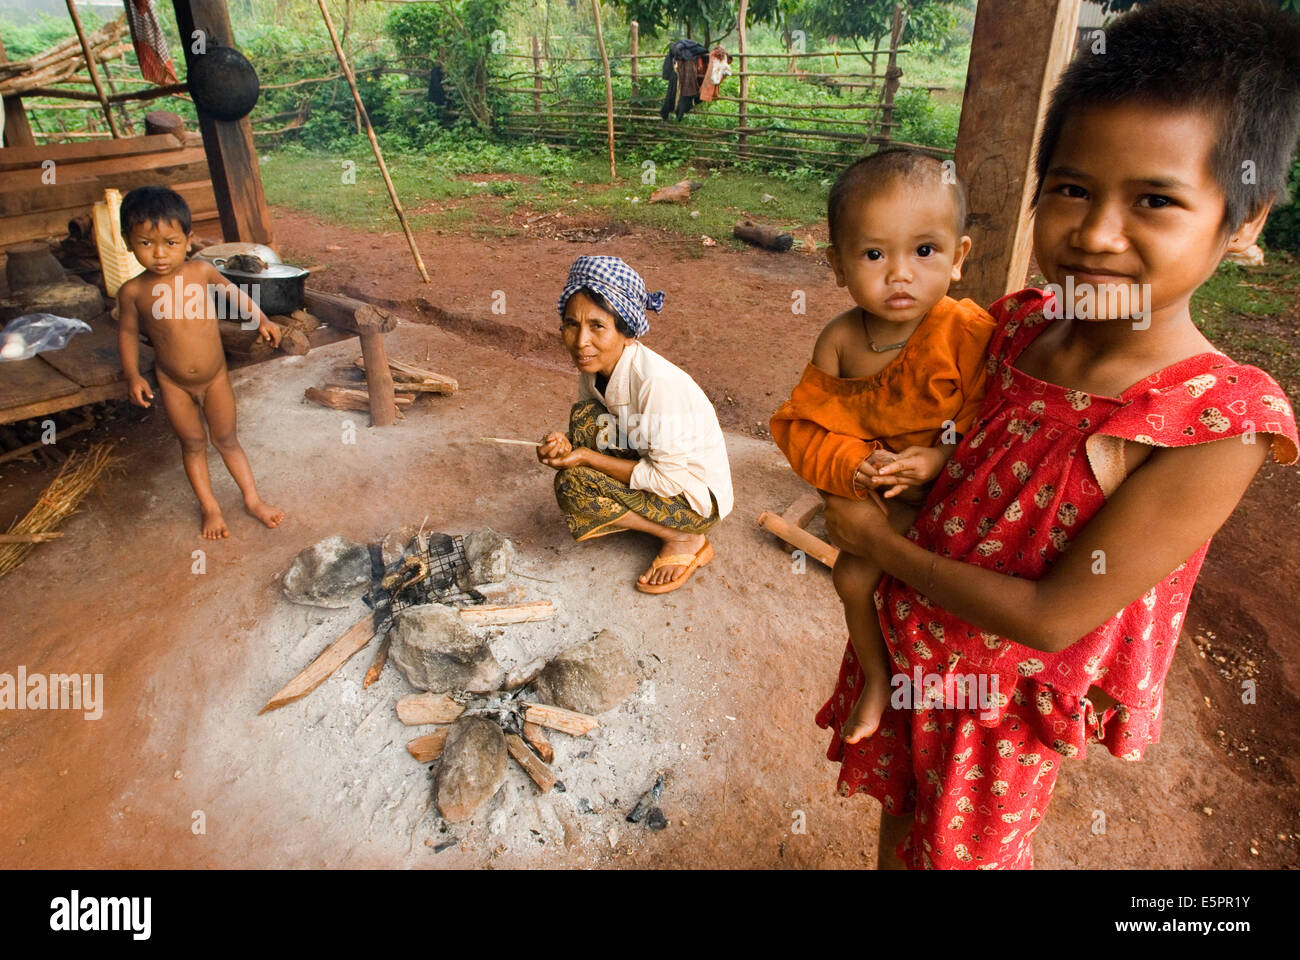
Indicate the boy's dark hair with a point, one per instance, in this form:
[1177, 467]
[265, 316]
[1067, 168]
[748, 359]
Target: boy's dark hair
[885, 168]
[1238, 58]
[153, 205]
[601, 301]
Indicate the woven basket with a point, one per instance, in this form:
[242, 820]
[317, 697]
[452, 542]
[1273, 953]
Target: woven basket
[118, 262]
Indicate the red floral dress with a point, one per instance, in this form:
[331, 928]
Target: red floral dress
[1036, 466]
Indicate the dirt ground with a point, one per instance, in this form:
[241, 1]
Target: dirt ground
[733, 666]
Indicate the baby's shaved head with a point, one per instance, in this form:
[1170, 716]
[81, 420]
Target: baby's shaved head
[882, 170]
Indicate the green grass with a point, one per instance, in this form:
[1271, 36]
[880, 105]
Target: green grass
[1249, 313]
[312, 183]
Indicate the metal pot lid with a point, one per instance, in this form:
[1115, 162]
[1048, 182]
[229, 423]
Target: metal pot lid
[273, 271]
[234, 249]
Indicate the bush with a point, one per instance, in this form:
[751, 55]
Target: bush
[1283, 227]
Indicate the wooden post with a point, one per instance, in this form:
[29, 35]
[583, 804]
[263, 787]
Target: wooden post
[1019, 49]
[636, 79]
[609, 89]
[537, 78]
[232, 158]
[90, 68]
[741, 108]
[892, 73]
[374, 146]
[18, 131]
[379, 379]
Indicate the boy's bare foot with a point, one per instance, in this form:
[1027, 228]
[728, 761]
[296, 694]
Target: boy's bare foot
[269, 515]
[214, 524]
[865, 718]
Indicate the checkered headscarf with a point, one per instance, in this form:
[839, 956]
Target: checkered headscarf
[618, 283]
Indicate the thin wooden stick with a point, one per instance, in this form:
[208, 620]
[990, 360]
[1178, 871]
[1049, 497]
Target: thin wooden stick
[90, 68]
[30, 537]
[522, 443]
[374, 143]
[320, 669]
[609, 88]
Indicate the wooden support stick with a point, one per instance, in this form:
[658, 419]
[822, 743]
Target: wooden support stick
[814, 547]
[540, 772]
[537, 740]
[383, 407]
[417, 708]
[801, 512]
[557, 718]
[320, 669]
[609, 88]
[742, 109]
[522, 443]
[90, 68]
[374, 144]
[486, 616]
[428, 748]
[381, 659]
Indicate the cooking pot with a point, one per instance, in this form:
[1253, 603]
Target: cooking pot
[222, 82]
[277, 289]
[260, 250]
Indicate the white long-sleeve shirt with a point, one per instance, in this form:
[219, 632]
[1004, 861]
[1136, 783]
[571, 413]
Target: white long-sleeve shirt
[662, 414]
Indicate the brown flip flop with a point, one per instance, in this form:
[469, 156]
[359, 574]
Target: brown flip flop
[688, 560]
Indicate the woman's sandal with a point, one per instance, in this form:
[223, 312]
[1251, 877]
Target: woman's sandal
[688, 560]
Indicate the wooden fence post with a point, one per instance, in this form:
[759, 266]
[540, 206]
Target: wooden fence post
[892, 73]
[609, 88]
[636, 30]
[741, 111]
[537, 78]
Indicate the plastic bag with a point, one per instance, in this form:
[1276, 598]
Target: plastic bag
[26, 336]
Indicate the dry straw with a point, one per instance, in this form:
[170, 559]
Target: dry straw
[58, 501]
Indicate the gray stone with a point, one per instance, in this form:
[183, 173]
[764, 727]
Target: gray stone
[590, 677]
[472, 768]
[436, 651]
[70, 297]
[332, 573]
[489, 556]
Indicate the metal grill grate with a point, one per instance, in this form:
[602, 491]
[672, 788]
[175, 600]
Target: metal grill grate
[427, 576]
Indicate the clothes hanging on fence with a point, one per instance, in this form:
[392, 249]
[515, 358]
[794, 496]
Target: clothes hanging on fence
[682, 69]
[715, 70]
[150, 45]
[436, 95]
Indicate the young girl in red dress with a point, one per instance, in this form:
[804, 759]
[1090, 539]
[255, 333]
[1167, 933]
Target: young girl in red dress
[1113, 442]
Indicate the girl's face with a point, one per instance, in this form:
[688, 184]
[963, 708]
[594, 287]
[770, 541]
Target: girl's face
[1130, 199]
[590, 336]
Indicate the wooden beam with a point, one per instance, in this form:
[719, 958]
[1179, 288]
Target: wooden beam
[232, 157]
[814, 547]
[379, 379]
[1019, 49]
[18, 130]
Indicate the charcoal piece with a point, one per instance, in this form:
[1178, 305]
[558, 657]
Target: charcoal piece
[650, 798]
[656, 820]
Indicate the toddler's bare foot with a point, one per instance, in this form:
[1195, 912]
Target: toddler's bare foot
[214, 524]
[865, 718]
[269, 515]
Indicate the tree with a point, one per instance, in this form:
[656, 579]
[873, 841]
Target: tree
[928, 21]
[699, 19]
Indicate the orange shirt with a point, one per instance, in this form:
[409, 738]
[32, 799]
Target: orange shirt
[830, 424]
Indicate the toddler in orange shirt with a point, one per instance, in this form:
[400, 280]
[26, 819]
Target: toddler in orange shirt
[895, 379]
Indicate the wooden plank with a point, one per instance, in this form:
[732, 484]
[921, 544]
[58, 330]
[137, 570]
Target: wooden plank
[557, 718]
[232, 157]
[541, 774]
[347, 313]
[160, 161]
[490, 616]
[814, 547]
[68, 191]
[31, 381]
[537, 740]
[320, 669]
[417, 708]
[17, 158]
[110, 391]
[92, 359]
[1018, 51]
[428, 748]
[54, 223]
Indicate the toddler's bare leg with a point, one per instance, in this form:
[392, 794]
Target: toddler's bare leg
[183, 414]
[855, 581]
[219, 409]
[892, 831]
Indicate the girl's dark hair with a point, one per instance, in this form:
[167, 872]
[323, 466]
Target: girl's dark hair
[1239, 59]
[153, 205]
[600, 301]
